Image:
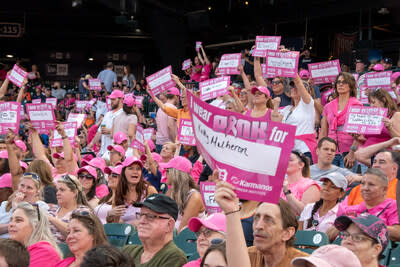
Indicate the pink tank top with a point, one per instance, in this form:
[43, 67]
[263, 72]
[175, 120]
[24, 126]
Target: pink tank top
[299, 187]
[267, 115]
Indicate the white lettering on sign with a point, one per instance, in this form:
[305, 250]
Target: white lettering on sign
[378, 81]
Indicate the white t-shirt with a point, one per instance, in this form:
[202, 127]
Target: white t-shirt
[108, 119]
[303, 117]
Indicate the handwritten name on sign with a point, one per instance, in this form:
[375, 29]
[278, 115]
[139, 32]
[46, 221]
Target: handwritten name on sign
[281, 64]
[250, 153]
[364, 120]
[229, 64]
[42, 116]
[10, 113]
[214, 87]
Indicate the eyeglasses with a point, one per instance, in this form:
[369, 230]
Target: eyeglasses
[115, 175]
[37, 209]
[67, 179]
[354, 237]
[342, 82]
[217, 241]
[150, 217]
[206, 232]
[31, 175]
[87, 176]
[276, 82]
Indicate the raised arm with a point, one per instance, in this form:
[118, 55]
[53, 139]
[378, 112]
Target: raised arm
[200, 58]
[37, 146]
[305, 96]
[72, 165]
[258, 72]
[22, 91]
[178, 82]
[206, 60]
[4, 86]
[159, 103]
[239, 103]
[152, 163]
[15, 168]
[365, 154]
[246, 81]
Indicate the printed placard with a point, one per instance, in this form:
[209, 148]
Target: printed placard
[91, 103]
[198, 44]
[138, 143]
[70, 131]
[214, 87]
[36, 101]
[207, 191]
[76, 117]
[325, 95]
[250, 153]
[17, 75]
[160, 81]
[41, 116]
[282, 64]
[10, 114]
[324, 72]
[364, 120]
[52, 101]
[264, 71]
[139, 101]
[81, 105]
[186, 64]
[363, 96]
[229, 64]
[185, 133]
[374, 80]
[95, 84]
[148, 133]
[266, 43]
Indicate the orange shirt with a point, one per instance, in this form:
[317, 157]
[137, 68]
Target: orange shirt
[178, 114]
[355, 198]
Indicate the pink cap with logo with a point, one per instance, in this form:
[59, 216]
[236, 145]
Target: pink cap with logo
[116, 94]
[6, 180]
[61, 155]
[117, 148]
[304, 74]
[92, 171]
[120, 137]
[173, 91]
[179, 163]
[20, 144]
[262, 89]
[214, 222]
[130, 160]
[117, 169]
[96, 162]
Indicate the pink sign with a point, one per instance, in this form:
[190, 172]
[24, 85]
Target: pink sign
[148, 133]
[185, 133]
[17, 75]
[325, 95]
[139, 101]
[95, 84]
[374, 80]
[160, 81]
[264, 72]
[250, 153]
[207, 190]
[41, 116]
[138, 143]
[91, 103]
[186, 64]
[36, 101]
[81, 105]
[10, 114]
[363, 96]
[324, 72]
[364, 120]
[78, 118]
[266, 43]
[214, 87]
[282, 64]
[198, 44]
[355, 75]
[229, 64]
[52, 101]
[70, 131]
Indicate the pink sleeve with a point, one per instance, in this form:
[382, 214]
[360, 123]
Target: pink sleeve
[392, 215]
[43, 255]
[196, 171]
[102, 191]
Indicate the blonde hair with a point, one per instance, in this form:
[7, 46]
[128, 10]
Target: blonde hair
[11, 198]
[182, 183]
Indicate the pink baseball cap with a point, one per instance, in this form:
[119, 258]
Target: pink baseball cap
[117, 148]
[157, 158]
[214, 222]
[3, 154]
[91, 170]
[304, 74]
[179, 163]
[173, 91]
[120, 137]
[262, 89]
[116, 94]
[130, 160]
[129, 101]
[61, 155]
[87, 157]
[329, 256]
[96, 162]
[378, 67]
[394, 76]
[117, 169]
[23, 165]
[151, 145]
[20, 144]
[6, 180]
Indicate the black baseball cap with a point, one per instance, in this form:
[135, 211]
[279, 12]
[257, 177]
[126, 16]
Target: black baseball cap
[160, 203]
[388, 60]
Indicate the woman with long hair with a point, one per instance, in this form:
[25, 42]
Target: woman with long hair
[87, 175]
[184, 191]
[30, 226]
[131, 188]
[128, 79]
[43, 170]
[70, 197]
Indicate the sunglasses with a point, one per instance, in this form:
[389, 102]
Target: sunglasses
[87, 176]
[276, 82]
[32, 175]
[68, 179]
[217, 241]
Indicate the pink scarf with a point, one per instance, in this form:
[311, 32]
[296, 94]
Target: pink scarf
[339, 118]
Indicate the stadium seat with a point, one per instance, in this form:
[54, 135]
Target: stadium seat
[308, 241]
[118, 233]
[186, 240]
[64, 249]
[134, 239]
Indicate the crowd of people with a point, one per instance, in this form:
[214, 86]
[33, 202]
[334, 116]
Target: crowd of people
[341, 184]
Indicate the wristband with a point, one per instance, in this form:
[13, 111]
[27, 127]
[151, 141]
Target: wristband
[287, 192]
[353, 148]
[234, 211]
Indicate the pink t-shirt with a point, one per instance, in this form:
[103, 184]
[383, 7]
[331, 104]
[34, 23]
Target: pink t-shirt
[162, 135]
[195, 263]
[64, 263]
[205, 72]
[196, 73]
[43, 254]
[298, 188]
[102, 191]
[387, 211]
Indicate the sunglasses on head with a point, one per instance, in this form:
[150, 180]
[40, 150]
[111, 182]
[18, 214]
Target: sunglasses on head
[217, 241]
[32, 175]
[67, 179]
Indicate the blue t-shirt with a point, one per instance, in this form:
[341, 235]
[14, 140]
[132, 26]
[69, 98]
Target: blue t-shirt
[154, 180]
[107, 77]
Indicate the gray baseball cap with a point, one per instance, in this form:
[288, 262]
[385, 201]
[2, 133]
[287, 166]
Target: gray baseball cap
[337, 179]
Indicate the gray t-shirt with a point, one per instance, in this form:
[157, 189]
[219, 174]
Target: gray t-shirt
[317, 173]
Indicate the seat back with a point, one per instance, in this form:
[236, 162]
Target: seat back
[186, 240]
[64, 249]
[118, 233]
[134, 239]
[308, 241]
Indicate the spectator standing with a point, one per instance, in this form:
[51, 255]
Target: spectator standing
[128, 79]
[108, 76]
